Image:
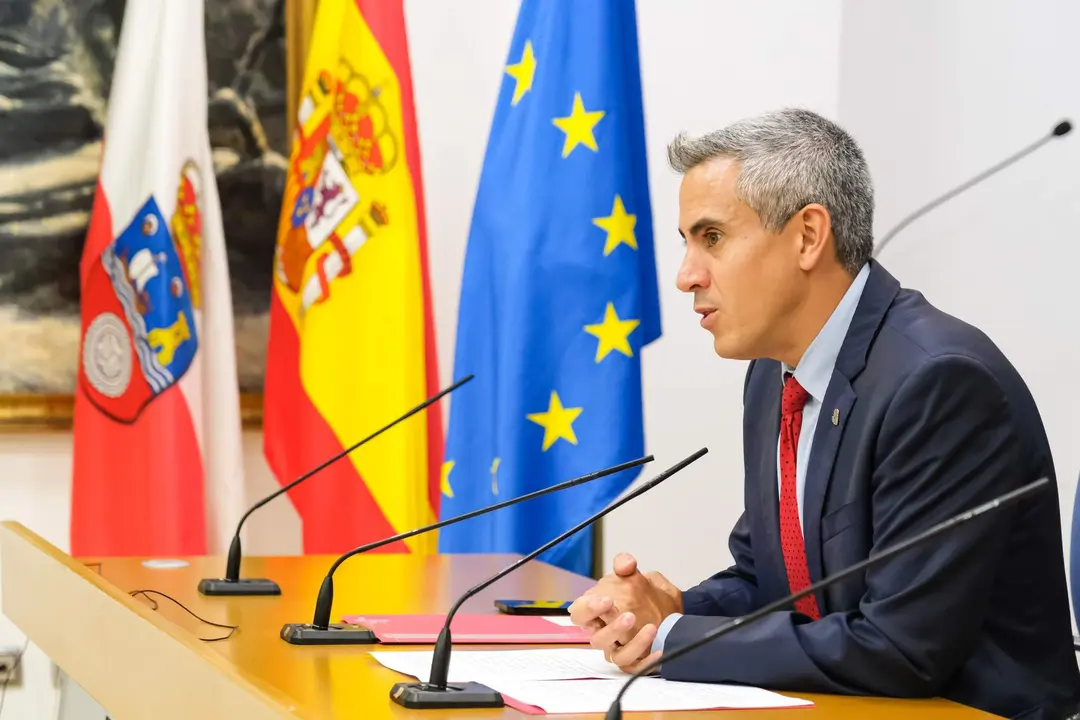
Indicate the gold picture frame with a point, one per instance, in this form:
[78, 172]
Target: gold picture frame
[283, 35]
[54, 413]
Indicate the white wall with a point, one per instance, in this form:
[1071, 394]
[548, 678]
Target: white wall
[936, 92]
[704, 65]
[910, 79]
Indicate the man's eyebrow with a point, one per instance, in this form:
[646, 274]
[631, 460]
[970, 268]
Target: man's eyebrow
[704, 223]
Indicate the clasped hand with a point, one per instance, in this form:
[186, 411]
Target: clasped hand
[623, 612]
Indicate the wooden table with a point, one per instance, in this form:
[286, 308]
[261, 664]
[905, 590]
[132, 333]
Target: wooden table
[139, 663]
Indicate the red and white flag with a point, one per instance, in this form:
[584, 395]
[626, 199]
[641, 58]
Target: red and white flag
[158, 466]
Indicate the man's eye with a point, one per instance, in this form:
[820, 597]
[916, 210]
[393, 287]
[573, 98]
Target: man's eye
[712, 237]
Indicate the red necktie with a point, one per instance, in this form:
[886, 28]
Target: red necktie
[791, 538]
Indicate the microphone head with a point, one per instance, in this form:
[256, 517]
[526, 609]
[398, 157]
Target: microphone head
[325, 601]
[1062, 128]
[232, 564]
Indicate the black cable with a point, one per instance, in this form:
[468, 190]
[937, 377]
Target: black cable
[147, 593]
[14, 668]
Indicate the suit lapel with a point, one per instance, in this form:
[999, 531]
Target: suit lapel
[839, 399]
[767, 459]
[878, 294]
[769, 492]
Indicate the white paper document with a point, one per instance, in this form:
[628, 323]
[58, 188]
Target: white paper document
[648, 694]
[579, 680]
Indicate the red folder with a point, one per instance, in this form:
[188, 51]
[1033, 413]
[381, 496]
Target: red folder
[469, 629]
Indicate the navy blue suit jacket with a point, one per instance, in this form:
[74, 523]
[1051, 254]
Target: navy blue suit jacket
[933, 420]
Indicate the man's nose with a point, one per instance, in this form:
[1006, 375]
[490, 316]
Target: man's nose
[692, 275]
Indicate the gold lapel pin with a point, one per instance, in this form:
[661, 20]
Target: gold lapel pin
[836, 416]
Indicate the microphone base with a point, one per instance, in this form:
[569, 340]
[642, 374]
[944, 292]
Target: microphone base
[335, 634]
[243, 586]
[422, 696]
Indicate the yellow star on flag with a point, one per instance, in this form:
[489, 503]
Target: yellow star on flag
[522, 71]
[557, 421]
[619, 226]
[578, 126]
[444, 482]
[612, 334]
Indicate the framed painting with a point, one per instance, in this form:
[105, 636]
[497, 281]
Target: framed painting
[56, 58]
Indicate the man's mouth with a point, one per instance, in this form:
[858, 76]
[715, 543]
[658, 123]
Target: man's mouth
[706, 313]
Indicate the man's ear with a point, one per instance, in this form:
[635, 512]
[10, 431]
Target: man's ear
[814, 227]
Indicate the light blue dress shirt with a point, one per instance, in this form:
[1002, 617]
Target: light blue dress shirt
[813, 372]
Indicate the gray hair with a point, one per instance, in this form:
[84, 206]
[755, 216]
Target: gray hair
[788, 159]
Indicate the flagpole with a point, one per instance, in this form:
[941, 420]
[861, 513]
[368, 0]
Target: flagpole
[299, 22]
[598, 560]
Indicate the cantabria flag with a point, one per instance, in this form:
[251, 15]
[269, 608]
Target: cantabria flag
[157, 466]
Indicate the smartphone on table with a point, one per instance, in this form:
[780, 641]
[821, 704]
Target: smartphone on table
[533, 607]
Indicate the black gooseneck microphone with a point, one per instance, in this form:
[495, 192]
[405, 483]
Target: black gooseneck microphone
[232, 583]
[437, 692]
[615, 710]
[1062, 128]
[321, 632]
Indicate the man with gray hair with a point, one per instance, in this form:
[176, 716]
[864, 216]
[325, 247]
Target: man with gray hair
[868, 416]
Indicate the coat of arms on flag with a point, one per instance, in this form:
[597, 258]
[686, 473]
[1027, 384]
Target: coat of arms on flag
[342, 135]
[142, 294]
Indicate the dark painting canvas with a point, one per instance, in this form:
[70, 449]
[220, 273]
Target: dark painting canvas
[56, 60]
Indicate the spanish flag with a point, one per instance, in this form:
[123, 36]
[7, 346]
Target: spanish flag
[352, 337]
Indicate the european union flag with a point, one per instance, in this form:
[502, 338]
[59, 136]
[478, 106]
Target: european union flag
[559, 291]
